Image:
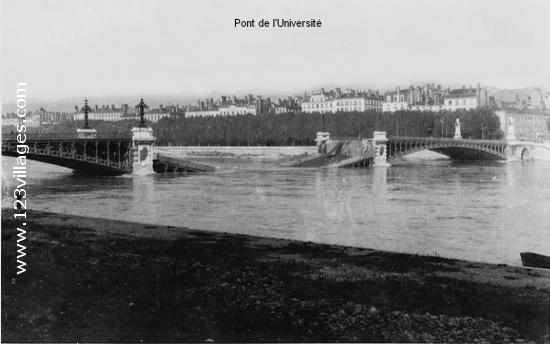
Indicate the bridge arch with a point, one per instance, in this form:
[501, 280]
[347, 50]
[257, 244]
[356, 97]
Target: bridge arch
[101, 156]
[525, 154]
[79, 165]
[455, 149]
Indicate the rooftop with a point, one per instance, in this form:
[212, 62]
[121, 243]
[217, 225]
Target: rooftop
[462, 93]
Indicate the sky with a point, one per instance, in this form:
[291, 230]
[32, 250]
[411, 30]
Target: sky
[94, 48]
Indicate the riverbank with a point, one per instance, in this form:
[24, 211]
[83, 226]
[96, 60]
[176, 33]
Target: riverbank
[98, 280]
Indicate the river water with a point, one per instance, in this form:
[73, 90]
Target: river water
[483, 211]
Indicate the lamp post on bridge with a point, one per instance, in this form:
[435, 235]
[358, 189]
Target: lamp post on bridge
[141, 108]
[322, 137]
[40, 120]
[142, 144]
[86, 109]
[86, 131]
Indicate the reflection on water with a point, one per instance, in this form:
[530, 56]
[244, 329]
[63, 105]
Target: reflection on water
[477, 211]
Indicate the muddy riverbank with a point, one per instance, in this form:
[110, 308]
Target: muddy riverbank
[94, 280]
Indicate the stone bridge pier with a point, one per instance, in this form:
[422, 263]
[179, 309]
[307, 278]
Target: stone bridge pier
[142, 150]
[520, 150]
[142, 144]
[380, 144]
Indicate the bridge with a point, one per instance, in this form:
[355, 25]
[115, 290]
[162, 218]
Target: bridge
[89, 152]
[396, 147]
[456, 149]
[103, 154]
[385, 150]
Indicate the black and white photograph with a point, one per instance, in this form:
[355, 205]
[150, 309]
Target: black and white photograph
[317, 171]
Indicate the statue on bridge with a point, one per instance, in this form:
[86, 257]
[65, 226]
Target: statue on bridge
[458, 135]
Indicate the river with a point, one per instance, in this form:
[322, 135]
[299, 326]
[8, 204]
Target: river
[480, 211]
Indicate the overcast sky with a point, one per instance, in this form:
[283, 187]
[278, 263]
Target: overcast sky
[63, 48]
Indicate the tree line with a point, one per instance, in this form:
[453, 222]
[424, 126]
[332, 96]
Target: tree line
[300, 128]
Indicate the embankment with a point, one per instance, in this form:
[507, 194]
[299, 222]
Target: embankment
[257, 152]
[98, 280]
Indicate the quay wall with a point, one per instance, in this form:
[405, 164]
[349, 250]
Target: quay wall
[265, 152]
[541, 151]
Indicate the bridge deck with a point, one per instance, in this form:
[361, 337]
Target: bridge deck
[68, 137]
[162, 164]
[445, 140]
[355, 161]
[103, 155]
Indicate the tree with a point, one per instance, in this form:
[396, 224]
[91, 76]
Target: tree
[300, 128]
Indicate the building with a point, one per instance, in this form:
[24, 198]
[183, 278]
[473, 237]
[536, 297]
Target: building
[433, 98]
[201, 113]
[415, 98]
[114, 114]
[47, 117]
[105, 113]
[233, 110]
[322, 103]
[10, 120]
[461, 100]
[336, 101]
[36, 119]
[247, 105]
[281, 109]
[287, 105]
[155, 115]
[230, 110]
[231, 106]
[358, 103]
[526, 125]
[466, 99]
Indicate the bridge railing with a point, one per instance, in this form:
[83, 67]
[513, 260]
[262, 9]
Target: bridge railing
[441, 139]
[67, 136]
[423, 139]
[350, 138]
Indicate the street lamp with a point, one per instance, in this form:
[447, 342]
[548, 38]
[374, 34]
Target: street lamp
[141, 107]
[86, 109]
[40, 120]
[482, 132]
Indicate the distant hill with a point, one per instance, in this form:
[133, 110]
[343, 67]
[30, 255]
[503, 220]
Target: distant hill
[510, 95]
